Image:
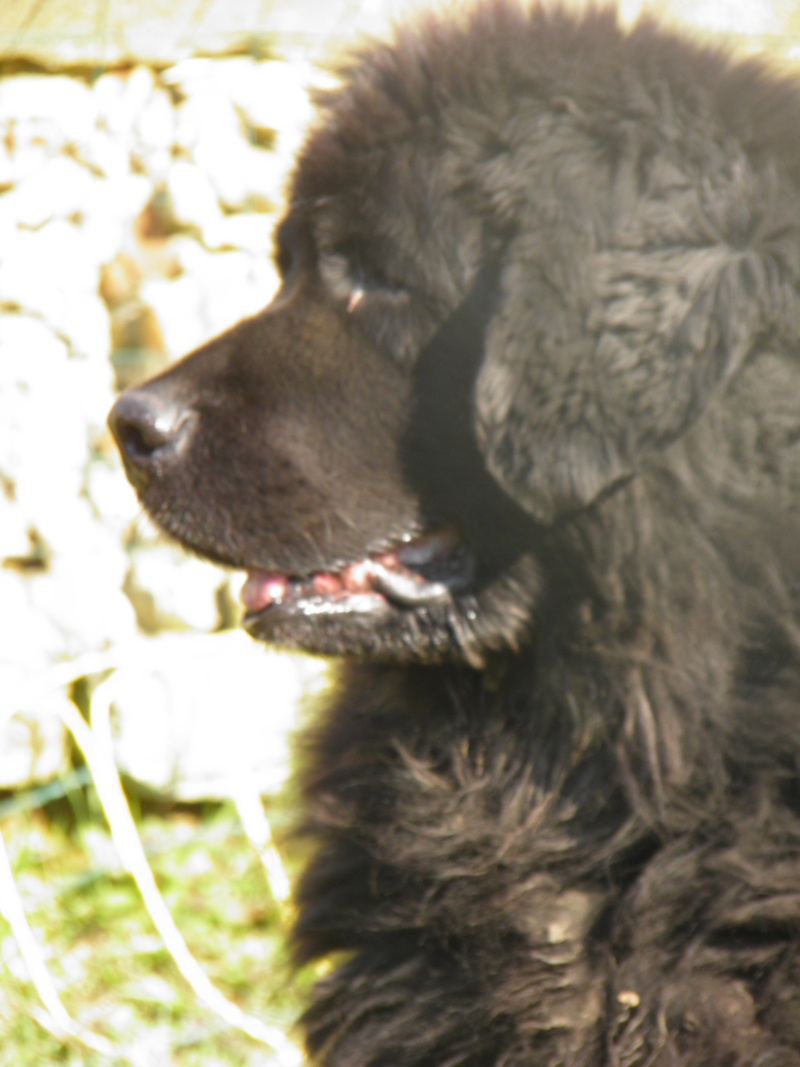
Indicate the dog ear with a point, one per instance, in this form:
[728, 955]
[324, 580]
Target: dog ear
[596, 358]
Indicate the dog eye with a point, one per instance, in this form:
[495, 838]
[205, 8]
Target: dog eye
[351, 278]
[363, 276]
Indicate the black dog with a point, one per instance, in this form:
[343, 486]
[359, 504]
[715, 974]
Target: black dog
[519, 439]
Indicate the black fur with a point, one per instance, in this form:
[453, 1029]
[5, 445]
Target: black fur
[541, 282]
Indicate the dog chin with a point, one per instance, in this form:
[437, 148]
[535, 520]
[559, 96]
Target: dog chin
[358, 626]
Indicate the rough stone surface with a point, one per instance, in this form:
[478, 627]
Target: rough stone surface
[33, 745]
[196, 717]
[63, 31]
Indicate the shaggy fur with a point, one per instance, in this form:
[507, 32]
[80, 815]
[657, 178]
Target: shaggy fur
[536, 354]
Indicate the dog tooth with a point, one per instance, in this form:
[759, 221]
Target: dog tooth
[359, 577]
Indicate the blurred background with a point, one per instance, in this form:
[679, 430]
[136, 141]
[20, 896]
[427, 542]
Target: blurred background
[144, 749]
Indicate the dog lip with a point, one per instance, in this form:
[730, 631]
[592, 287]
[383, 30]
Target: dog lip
[418, 573]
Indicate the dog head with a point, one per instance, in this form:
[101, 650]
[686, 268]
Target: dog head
[519, 264]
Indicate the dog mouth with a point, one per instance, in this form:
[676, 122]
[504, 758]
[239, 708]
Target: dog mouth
[420, 573]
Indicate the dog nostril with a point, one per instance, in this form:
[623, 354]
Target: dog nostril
[148, 428]
[139, 441]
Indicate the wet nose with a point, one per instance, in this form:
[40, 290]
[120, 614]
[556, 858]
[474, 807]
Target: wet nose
[151, 431]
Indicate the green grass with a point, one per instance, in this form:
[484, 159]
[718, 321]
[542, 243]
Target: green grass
[110, 966]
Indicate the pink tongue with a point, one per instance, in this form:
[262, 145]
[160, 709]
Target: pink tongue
[262, 589]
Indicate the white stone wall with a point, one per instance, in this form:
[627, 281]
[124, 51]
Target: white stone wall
[136, 210]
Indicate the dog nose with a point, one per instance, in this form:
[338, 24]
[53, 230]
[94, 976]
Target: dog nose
[150, 430]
